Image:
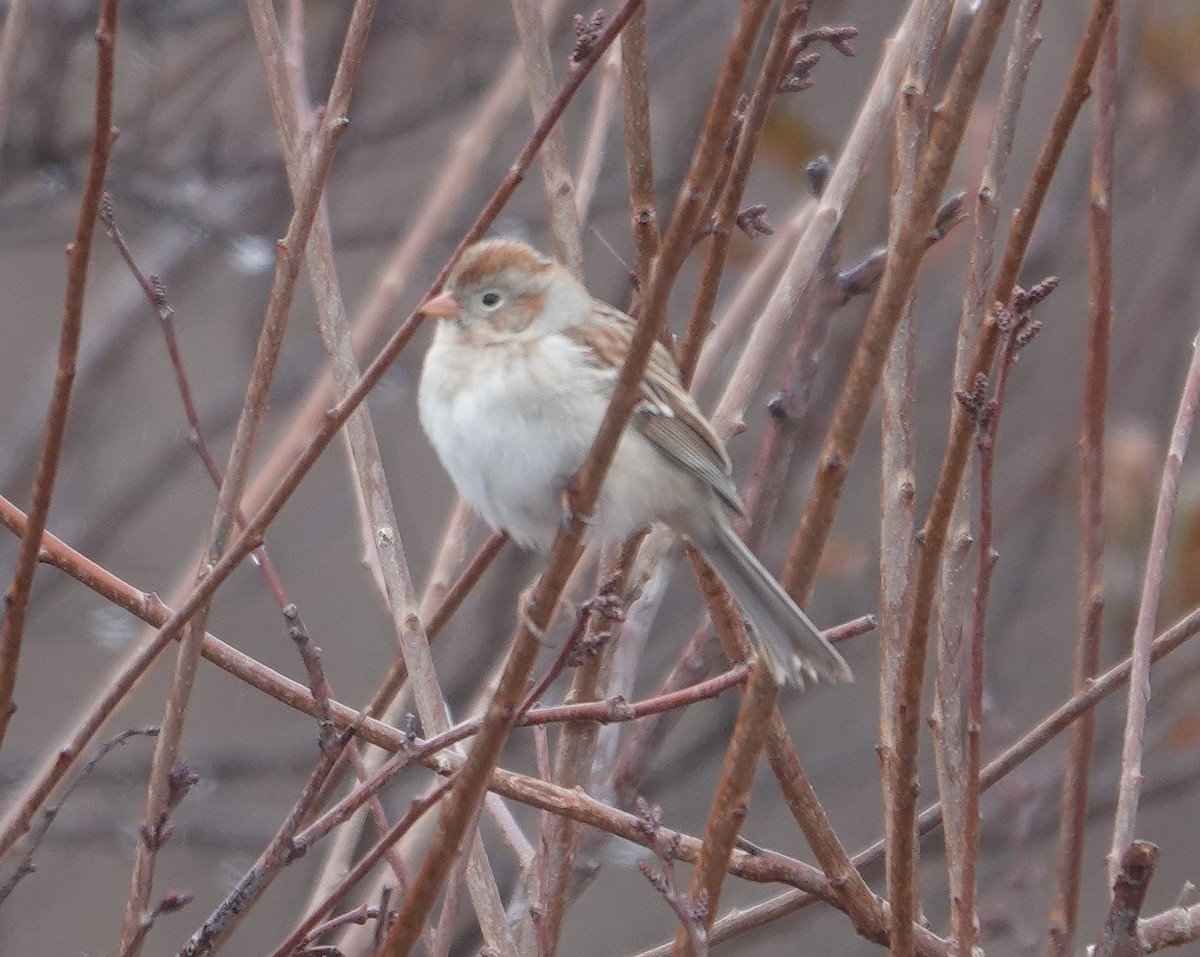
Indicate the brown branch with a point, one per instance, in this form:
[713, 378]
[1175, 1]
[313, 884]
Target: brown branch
[539, 81]
[730, 801]
[898, 439]
[574, 760]
[308, 927]
[1130, 787]
[635, 92]
[1064, 911]
[79, 254]
[792, 14]
[156, 294]
[1120, 936]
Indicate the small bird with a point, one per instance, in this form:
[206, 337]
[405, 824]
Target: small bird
[515, 384]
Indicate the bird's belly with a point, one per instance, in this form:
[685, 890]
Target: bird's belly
[513, 435]
[508, 439]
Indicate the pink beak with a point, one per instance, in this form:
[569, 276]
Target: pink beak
[443, 306]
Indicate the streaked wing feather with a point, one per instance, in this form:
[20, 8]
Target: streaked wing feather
[665, 414]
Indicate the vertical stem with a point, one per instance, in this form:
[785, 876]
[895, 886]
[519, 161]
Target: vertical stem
[902, 857]
[792, 14]
[1074, 797]
[1130, 788]
[898, 448]
[79, 254]
[11, 42]
[556, 176]
[635, 89]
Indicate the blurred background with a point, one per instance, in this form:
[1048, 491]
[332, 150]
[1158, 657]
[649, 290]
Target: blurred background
[198, 191]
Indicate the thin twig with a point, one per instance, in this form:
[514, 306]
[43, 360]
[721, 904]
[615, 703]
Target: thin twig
[603, 114]
[692, 909]
[792, 14]
[987, 416]
[79, 254]
[156, 294]
[11, 43]
[26, 866]
[1064, 911]
[1130, 787]
[573, 763]
[307, 927]
[743, 305]
[280, 851]
[948, 736]
[556, 177]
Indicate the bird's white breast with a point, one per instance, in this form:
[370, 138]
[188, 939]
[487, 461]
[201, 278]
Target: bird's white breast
[511, 422]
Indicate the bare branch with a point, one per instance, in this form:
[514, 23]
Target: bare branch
[1073, 803]
[1156, 558]
[1120, 935]
[79, 254]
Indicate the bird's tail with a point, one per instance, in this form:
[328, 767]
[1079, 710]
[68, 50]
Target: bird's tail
[792, 646]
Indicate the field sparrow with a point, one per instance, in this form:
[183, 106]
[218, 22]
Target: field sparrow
[515, 383]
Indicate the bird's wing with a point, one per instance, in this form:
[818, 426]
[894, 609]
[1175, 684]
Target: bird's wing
[665, 413]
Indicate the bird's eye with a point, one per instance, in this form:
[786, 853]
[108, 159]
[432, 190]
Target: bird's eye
[490, 299]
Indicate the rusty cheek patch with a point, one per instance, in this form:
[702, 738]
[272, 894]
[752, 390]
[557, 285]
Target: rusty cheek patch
[519, 314]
